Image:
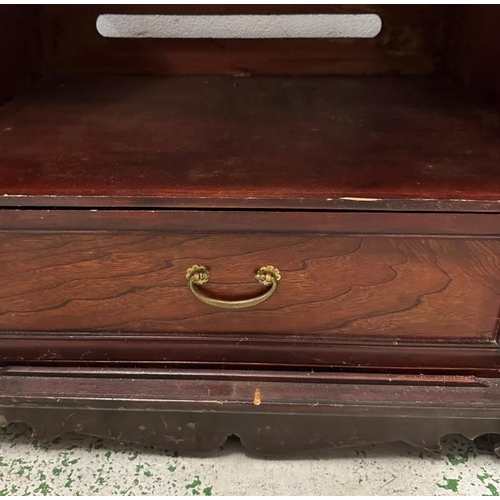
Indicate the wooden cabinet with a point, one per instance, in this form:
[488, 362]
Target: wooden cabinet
[365, 172]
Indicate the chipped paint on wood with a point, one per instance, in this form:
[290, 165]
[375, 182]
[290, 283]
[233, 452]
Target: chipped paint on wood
[360, 199]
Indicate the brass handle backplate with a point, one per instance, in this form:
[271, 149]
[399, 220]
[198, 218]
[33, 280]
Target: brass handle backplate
[199, 275]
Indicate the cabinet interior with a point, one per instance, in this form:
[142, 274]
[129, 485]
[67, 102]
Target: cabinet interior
[409, 116]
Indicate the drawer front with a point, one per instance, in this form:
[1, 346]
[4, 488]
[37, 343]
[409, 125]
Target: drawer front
[424, 288]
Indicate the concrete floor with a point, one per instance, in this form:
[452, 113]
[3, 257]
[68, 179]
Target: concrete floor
[76, 465]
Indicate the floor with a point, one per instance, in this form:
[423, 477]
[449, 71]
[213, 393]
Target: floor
[76, 465]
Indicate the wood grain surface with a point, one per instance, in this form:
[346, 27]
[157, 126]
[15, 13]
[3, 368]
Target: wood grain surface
[282, 142]
[348, 287]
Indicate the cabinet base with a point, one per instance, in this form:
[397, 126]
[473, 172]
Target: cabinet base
[273, 413]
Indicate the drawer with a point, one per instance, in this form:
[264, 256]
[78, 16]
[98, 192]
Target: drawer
[340, 286]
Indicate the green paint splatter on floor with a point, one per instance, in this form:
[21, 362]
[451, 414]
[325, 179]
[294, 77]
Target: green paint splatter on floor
[67, 462]
[493, 489]
[457, 460]
[70, 480]
[196, 482]
[450, 484]
[44, 489]
[192, 486]
[23, 469]
[80, 465]
[490, 486]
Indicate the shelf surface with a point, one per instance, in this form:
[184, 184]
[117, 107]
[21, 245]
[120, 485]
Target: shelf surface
[368, 143]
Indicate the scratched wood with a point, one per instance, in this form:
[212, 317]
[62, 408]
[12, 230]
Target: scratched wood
[346, 287]
[196, 410]
[249, 143]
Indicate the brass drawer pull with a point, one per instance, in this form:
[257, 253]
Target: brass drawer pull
[266, 275]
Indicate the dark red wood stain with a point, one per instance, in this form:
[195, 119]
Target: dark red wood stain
[247, 142]
[367, 171]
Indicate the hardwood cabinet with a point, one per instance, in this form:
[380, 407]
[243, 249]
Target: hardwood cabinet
[147, 182]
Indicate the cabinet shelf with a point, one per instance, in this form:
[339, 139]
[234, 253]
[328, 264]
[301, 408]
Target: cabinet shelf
[329, 143]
